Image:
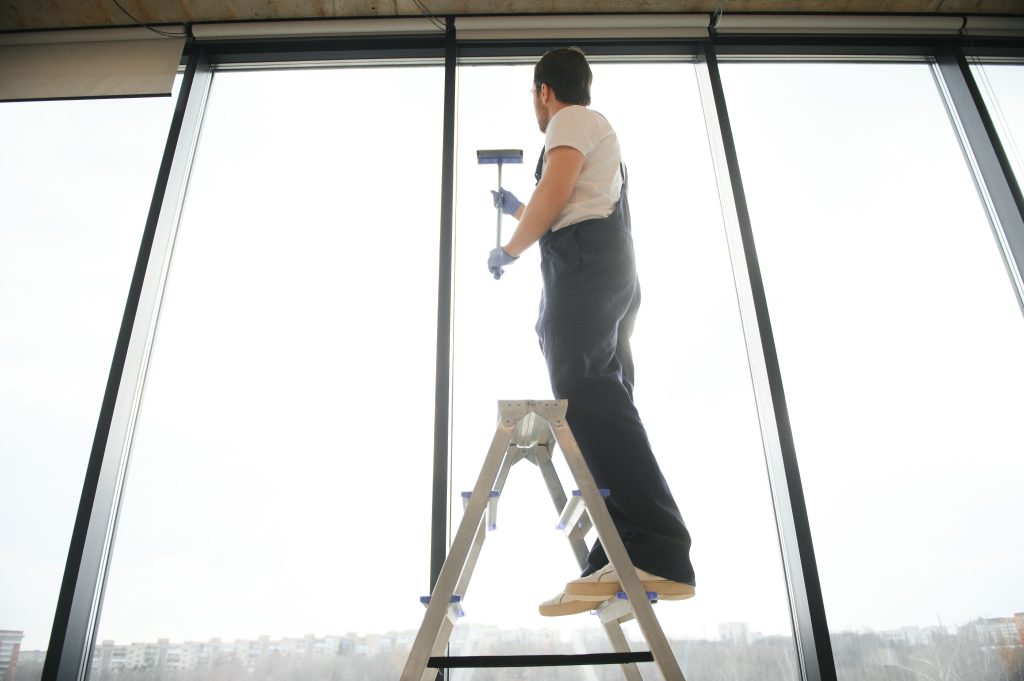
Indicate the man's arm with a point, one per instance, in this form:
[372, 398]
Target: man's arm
[549, 198]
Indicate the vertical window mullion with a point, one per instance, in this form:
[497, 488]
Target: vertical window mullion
[806, 601]
[993, 176]
[443, 380]
[78, 604]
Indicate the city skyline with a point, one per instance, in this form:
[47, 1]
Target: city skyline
[864, 650]
[1013, 621]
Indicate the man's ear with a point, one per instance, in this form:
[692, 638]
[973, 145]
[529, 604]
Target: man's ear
[545, 93]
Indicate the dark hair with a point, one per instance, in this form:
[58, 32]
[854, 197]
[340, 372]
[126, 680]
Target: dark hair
[565, 70]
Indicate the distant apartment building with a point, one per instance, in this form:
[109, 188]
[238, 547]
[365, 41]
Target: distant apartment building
[1018, 619]
[10, 644]
[191, 655]
[911, 636]
[995, 631]
[735, 632]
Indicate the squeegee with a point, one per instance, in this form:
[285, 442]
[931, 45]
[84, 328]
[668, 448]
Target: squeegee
[499, 157]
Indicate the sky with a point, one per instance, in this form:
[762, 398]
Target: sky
[280, 473]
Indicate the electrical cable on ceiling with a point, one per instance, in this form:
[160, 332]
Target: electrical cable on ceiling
[426, 12]
[716, 16]
[145, 25]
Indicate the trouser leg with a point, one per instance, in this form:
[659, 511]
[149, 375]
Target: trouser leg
[591, 297]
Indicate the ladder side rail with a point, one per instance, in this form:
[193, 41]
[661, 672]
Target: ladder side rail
[452, 569]
[512, 457]
[578, 542]
[448, 623]
[551, 480]
[471, 558]
[620, 645]
[617, 555]
[576, 537]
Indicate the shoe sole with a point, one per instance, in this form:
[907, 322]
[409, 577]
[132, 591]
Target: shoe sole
[573, 607]
[679, 596]
[599, 591]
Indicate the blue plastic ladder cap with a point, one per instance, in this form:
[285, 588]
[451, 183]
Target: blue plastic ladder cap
[425, 600]
[466, 495]
[495, 494]
[651, 595]
[604, 492]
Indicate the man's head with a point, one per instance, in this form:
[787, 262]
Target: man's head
[566, 71]
[561, 78]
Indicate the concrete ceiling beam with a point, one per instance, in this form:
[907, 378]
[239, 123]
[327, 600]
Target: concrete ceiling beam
[20, 15]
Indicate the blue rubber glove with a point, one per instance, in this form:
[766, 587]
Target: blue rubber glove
[507, 201]
[497, 260]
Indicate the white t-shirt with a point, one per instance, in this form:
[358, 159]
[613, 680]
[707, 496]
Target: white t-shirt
[600, 183]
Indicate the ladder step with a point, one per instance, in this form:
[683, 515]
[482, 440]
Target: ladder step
[479, 661]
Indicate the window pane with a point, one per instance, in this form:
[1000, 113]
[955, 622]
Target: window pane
[1002, 86]
[693, 384]
[899, 340]
[76, 180]
[276, 512]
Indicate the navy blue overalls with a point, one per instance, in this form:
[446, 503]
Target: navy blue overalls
[588, 307]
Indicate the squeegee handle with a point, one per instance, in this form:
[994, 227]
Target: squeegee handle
[500, 205]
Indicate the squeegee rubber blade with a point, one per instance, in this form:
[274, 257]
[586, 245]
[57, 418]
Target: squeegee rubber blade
[494, 156]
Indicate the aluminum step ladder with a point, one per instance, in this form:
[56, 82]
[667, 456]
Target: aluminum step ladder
[528, 430]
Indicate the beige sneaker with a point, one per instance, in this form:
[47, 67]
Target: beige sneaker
[604, 584]
[564, 604]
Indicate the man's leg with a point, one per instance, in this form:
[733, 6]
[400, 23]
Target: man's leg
[591, 299]
[614, 443]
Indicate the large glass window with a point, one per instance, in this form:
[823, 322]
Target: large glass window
[693, 385]
[1002, 86]
[274, 517]
[76, 179]
[899, 340]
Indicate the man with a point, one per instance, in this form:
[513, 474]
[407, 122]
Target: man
[580, 215]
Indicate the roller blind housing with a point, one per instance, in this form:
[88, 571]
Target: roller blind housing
[79, 64]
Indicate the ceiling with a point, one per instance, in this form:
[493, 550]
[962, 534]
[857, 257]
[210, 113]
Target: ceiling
[19, 15]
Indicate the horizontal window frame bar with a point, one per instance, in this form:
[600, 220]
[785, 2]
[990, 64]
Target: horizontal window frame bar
[318, 28]
[282, 52]
[868, 24]
[996, 55]
[567, 26]
[368, 63]
[493, 52]
[323, 49]
[583, 27]
[833, 45]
